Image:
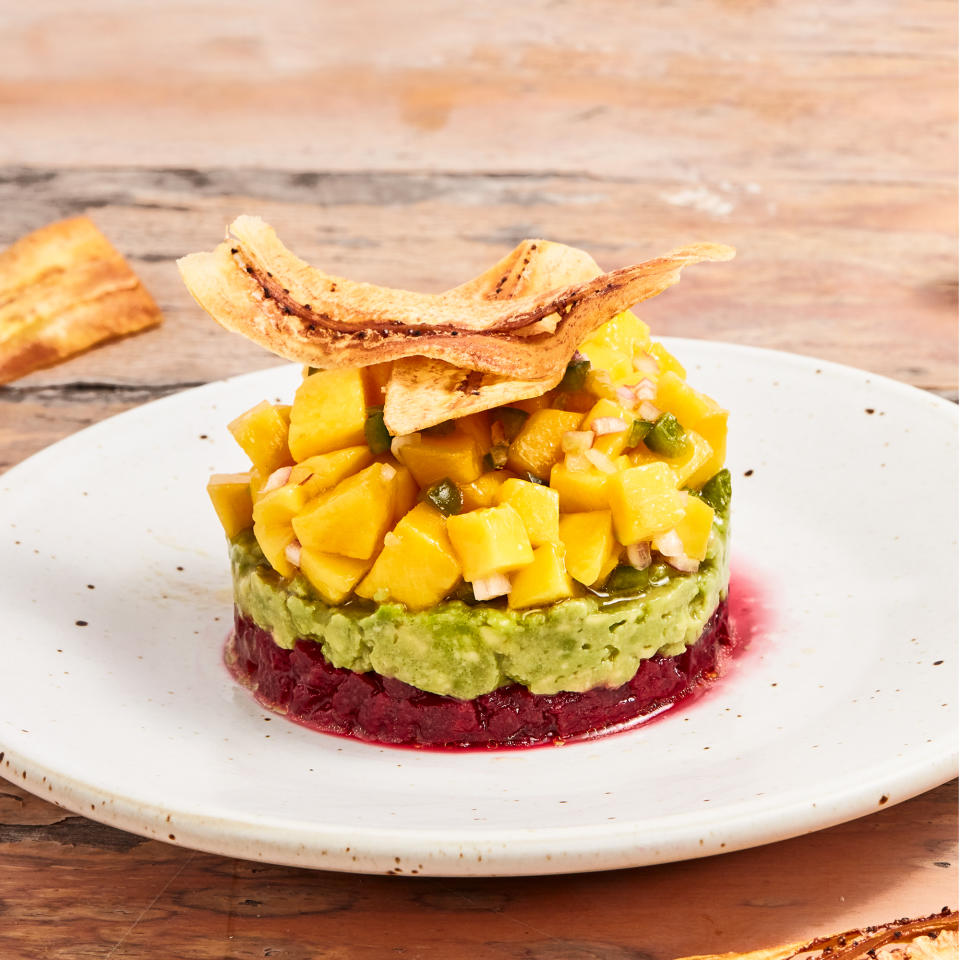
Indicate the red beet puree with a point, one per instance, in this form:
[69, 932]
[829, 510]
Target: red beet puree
[301, 684]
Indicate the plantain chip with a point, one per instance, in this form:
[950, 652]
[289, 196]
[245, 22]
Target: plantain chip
[253, 285]
[63, 289]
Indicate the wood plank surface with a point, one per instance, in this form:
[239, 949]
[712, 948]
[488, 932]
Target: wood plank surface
[412, 146]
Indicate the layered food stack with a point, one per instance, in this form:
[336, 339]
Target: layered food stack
[493, 516]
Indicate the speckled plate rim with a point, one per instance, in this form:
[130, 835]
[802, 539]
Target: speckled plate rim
[496, 851]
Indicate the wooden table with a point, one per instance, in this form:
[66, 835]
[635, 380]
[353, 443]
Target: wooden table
[413, 148]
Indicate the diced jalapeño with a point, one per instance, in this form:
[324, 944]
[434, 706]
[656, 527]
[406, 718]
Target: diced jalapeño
[575, 376]
[667, 437]
[445, 496]
[716, 492]
[638, 431]
[375, 430]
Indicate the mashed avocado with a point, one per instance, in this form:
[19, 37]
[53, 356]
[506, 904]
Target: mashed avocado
[463, 650]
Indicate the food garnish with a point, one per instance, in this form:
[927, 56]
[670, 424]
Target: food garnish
[64, 289]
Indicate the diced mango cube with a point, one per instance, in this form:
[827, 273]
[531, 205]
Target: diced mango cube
[610, 563]
[257, 479]
[455, 456]
[545, 580]
[695, 411]
[667, 361]
[331, 575]
[690, 466]
[375, 379]
[537, 447]
[230, 495]
[642, 454]
[580, 489]
[329, 413]
[326, 470]
[262, 434]
[610, 444]
[694, 529]
[644, 501]
[483, 491]
[272, 515]
[352, 518]
[538, 506]
[589, 542]
[417, 566]
[405, 491]
[477, 425]
[611, 347]
[274, 541]
[490, 540]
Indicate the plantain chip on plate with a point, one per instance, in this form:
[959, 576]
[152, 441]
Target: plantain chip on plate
[63, 289]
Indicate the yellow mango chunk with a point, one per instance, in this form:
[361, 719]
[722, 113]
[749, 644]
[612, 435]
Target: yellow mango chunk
[537, 446]
[332, 576]
[695, 411]
[642, 454]
[262, 435]
[329, 412]
[230, 495]
[477, 425]
[644, 501]
[611, 347]
[352, 518]
[589, 542]
[488, 541]
[417, 566]
[274, 541]
[405, 491]
[611, 444]
[532, 404]
[326, 470]
[608, 565]
[483, 491]
[580, 489]
[455, 456]
[272, 515]
[667, 361]
[691, 466]
[694, 529]
[545, 580]
[538, 506]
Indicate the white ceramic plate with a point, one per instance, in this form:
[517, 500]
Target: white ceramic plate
[844, 533]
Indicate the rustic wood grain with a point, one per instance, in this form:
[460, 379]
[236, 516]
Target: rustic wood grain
[412, 148]
[144, 899]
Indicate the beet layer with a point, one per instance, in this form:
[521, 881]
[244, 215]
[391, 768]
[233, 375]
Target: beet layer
[303, 685]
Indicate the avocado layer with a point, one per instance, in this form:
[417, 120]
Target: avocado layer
[463, 651]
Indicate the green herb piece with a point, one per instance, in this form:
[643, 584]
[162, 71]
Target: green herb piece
[445, 496]
[667, 437]
[627, 579]
[575, 376]
[512, 420]
[496, 459]
[375, 430]
[717, 491]
[638, 431]
[533, 478]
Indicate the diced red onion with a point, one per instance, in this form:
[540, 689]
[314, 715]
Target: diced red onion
[496, 585]
[645, 389]
[684, 564]
[669, 544]
[639, 556]
[646, 363]
[292, 552]
[387, 472]
[626, 397]
[276, 479]
[601, 461]
[576, 462]
[390, 539]
[604, 425]
[648, 411]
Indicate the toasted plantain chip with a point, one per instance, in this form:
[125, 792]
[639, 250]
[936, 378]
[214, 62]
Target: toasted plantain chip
[64, 288]
[423, 392]
[256, 287]
[927, 938]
